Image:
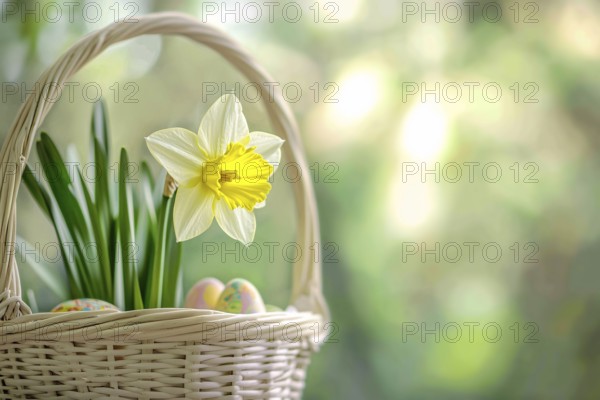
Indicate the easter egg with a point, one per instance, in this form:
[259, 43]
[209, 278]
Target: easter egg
[240, 297]
[84, 305]
[204, 294]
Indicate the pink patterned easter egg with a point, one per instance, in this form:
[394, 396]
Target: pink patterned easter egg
[204, 294]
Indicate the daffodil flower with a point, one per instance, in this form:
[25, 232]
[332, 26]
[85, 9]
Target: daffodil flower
[223, 171]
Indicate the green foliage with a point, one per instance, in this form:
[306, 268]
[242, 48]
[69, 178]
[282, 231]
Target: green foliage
[126, 255]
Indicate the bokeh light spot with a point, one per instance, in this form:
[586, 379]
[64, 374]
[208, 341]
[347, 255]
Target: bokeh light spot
[359, 93]
[424, 131]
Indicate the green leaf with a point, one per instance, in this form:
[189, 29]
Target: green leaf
[154, 290]
[148, 230]
[118, 284]
[173, 287]
[32, 301]
[42, 270]
[70, 260]
[146, 173]
[113, 244]
[38, 192]
[100, 127]
[61, 185]
[42, 197]
[138, 303]
[101, 184]
[101, 158]
[173, 275]
[148, 186]
[127, 233]
[62, 191]
[102, 255]
[147, 261]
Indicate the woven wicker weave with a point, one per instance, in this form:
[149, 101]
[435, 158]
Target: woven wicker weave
[155, 353]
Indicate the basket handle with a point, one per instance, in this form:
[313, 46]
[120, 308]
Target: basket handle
[306, 287]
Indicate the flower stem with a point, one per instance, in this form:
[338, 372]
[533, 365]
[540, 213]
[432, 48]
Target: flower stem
[157, 277]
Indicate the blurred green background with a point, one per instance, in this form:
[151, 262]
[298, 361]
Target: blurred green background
[419, 316]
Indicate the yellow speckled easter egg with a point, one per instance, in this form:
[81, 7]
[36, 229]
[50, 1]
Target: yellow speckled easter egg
[84, 305]
[204, 294]
[240, 297]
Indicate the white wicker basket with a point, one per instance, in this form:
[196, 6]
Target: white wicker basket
[154, 353]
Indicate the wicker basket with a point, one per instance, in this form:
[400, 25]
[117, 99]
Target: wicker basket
[154, 353]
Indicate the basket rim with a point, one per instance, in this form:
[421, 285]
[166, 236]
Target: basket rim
[161, 325]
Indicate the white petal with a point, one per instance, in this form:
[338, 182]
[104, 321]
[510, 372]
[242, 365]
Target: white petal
[192, 214]
[260, 205]
[267, 145]
[178, 151]
[239, 223]
[224, 123]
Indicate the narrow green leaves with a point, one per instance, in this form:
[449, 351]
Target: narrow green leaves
[116, 238]
[64, 199]
[128, 246]
[41, 269]
[99, 247]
